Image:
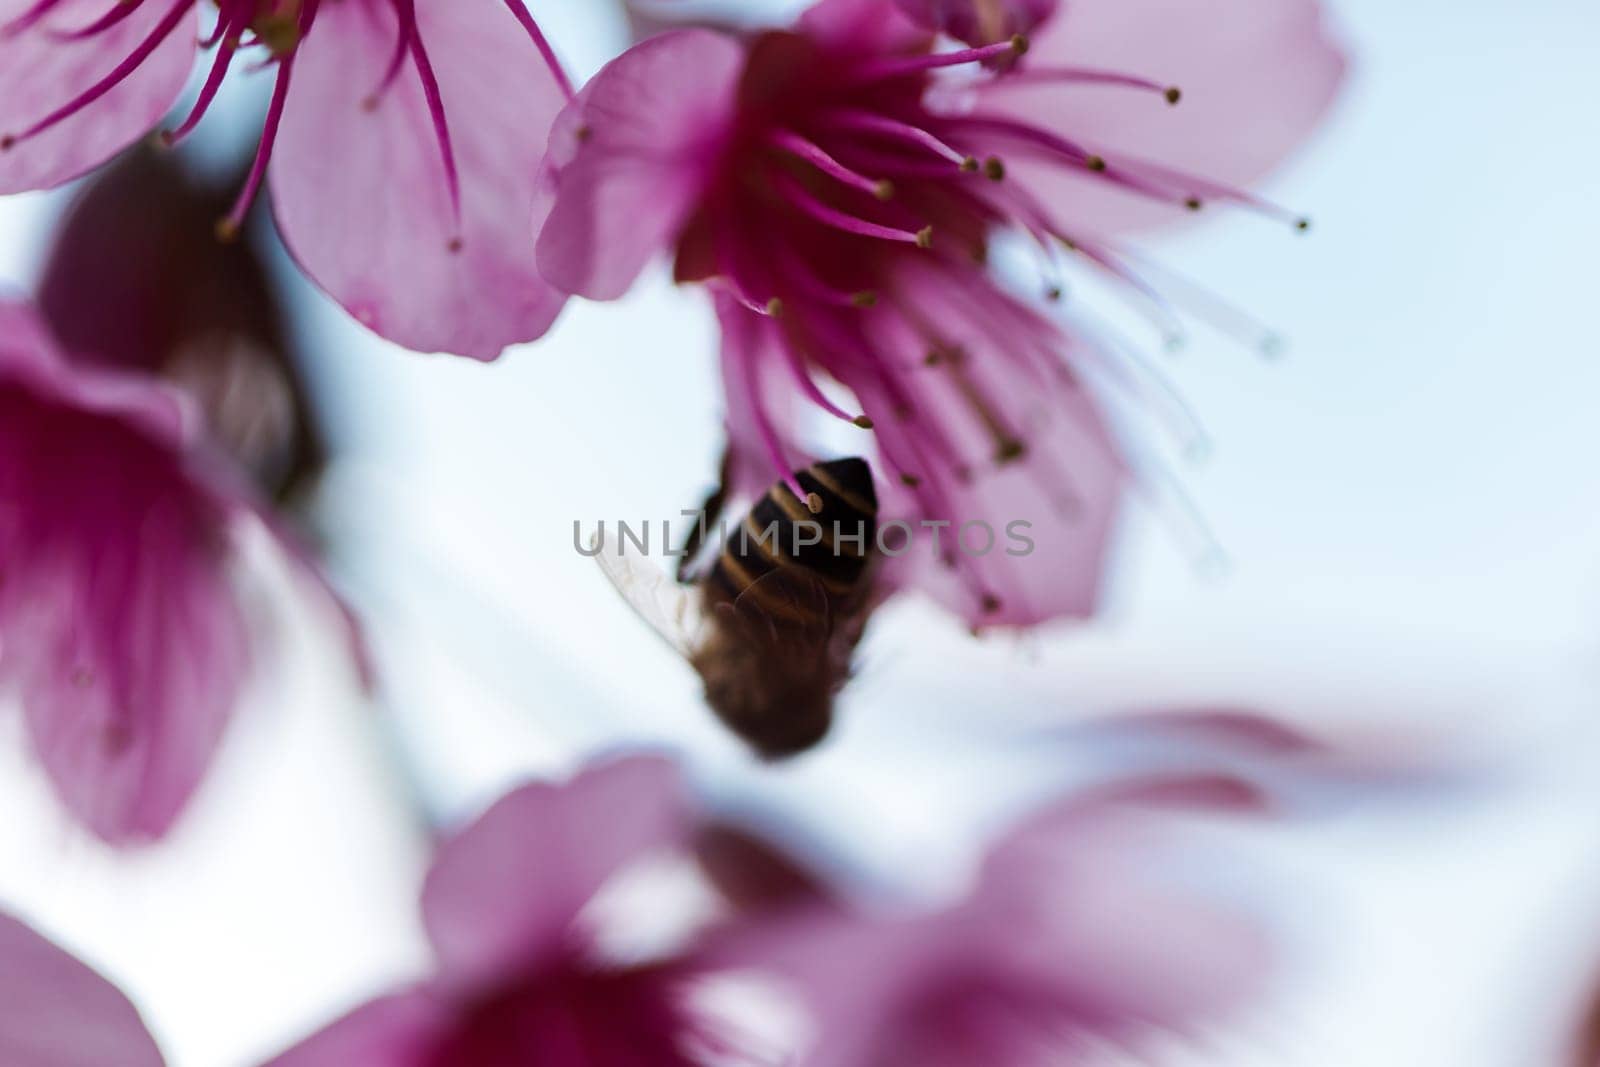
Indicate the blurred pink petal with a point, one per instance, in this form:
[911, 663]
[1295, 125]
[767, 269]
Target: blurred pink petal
[639, 159]
[56, 1012]
[1257, 77]
[508, 888]
[518, 981]
[980, 22]
[1072, 938]
[40, 73]
[360, 188]
[391, 1031]
[120, 623]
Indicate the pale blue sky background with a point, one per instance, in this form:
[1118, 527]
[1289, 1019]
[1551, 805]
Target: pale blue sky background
[1410, 501]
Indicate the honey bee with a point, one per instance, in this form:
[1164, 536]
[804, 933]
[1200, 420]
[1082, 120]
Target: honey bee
[773, 622]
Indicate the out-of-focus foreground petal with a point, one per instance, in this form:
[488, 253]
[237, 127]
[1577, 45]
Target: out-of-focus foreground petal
[41, 71]
[360, 189]
[118, 618]
[392, 1031]
[57, 1012]
[507, 889]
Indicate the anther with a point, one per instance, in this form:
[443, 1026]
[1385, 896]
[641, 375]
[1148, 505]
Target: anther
[910, 481]
[933, 358]
[994, 169]
[1053, 294]
[1173, 95]
[925, 237]
[969, 165]
[455, 245]
[583, 133]
[863, 421]
[1009, 451]
[1302, 225]
[227, 230]
[1096, 164]
[991, 604]
[866, 298]
[1193, 203]
[6, 141]
[775, 307]
[369, 103]
[884, 190]
[1019, 45]
[814, 503]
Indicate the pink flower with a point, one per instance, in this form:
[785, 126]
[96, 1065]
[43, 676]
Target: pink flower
[839, 186]
[120, 623]
[517, 980]
[1069, 941]
[134, 281]
[56, 1012]
[403, 136]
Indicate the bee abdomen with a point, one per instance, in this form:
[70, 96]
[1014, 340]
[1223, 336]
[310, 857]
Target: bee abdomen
[834, 544]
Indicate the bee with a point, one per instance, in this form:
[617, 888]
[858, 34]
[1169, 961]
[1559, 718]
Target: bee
[772, 624]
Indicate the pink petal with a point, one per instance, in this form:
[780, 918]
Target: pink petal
[118, 620]
[40, 73]
[643, 157]
[56, 1012]
[862, 26]
[502, 895]
[401, 1030]
[1083, 874]
[1257, 77]
[1028, 536]
[361, 195]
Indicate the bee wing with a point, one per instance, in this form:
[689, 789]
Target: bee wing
[673, 611]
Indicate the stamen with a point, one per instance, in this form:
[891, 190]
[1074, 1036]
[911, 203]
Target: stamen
[899, 68]
[229, 227]
[797, 367]
[1082, 76]
[904, 132]
[30, 17]
[809, 151]
[118, 75]
[840, 220]
[406, 10]
[208, 92]
[120, 10]
[542, 44]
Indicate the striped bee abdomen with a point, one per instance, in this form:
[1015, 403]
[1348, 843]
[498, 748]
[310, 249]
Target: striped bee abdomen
[833, 545]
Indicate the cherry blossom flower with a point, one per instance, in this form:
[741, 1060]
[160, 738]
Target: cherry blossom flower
[401, 136]
[840, 186]
[122, 627]
[55, 1011]
[519, 977]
